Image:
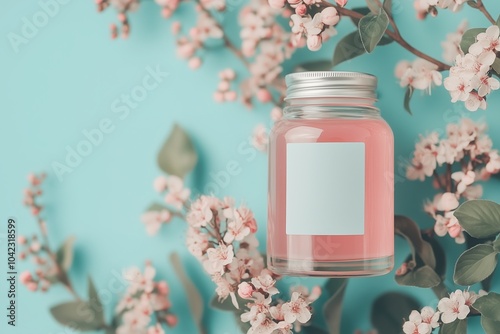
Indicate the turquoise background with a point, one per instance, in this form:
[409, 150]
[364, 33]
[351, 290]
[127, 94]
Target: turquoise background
[65, 80]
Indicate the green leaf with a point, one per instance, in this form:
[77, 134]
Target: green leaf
[456, 327]
[489, 306]
[332, 309]
[347, 48]
[475, 264]
[496, 244]
[498, 21]
[496, 65]
[490, 326]
[469, 38]
[192, 293]
[472, 3]
[156, 207]
[389, 310]
[371, 28]
[409, 230]
[78, 315]
[227, 304]
[480, 218]
[95, 302]
[177, 155]
[385, 40]
[423, 277]
[64, 255]
[318, 65]
[406, 103]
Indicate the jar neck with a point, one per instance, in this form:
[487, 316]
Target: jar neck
[311, 108]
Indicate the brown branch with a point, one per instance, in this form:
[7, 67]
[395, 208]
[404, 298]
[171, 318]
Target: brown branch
[482, 9]
[395, 35]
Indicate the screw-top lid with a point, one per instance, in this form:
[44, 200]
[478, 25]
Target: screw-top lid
[330, 84]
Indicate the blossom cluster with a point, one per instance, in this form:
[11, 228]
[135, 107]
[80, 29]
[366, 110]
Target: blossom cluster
[222, 236]
[425, 7]
[145, 307]
[456, 306]
[31, 247]
[470, 79]
[468, 154]
[224, 92]
[311, 21]
[175, 198]
[419, 74]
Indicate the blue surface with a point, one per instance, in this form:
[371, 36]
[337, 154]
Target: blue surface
[65, 80]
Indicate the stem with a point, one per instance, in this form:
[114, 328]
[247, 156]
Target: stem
[231, 46]
[448, 178]
[395, 35]
[61, 274]
[438, 179]
[482, 9]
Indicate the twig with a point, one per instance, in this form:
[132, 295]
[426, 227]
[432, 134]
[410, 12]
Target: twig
[482, 9]
[395, 35]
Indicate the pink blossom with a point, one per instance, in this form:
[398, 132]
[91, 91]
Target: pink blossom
[176, 27]
[194, 63]
[177, 194]
[218, 257]
[160, 183]
[263, 95]
[156, 330]
[463, 180]
[200, 213]
[402, 270]
[341, 3]
[25, 277]
[154, 219]
[230, 95]
[314, 42]
[245, 290]
[197, 242]
[487, 42]
[447, 202]
[296, 309]
[451, 47]
[276, 114]
[260, 138]
[475, 102]
[301, 9]
[236, 229]
[415, 325]
[171, 320]
[420, 74]
[265, 282]
[453, 308]
[329, 16]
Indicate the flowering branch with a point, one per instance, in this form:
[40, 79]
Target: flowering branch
[395, 35]
[482, 9]
[145, 300]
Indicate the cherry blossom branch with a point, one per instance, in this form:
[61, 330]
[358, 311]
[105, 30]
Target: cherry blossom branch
[227, 42]
[395, 35]
[482, 9]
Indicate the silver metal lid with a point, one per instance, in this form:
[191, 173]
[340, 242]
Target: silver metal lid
[330, 84]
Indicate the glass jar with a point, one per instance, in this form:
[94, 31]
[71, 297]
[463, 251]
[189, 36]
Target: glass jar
[331, 179]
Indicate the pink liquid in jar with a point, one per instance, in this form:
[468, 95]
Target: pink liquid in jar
[331, 185]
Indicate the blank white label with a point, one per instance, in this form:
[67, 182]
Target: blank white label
[325, 189]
